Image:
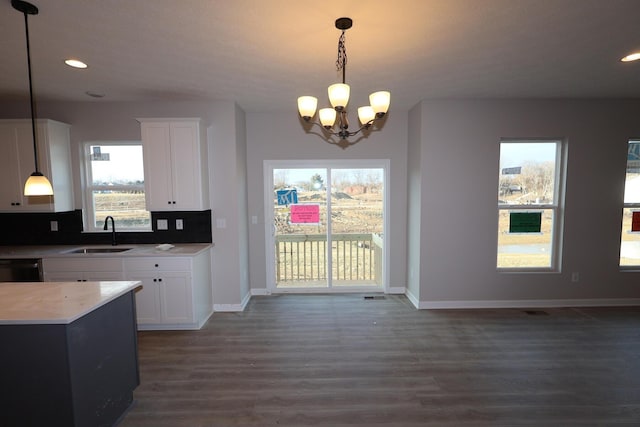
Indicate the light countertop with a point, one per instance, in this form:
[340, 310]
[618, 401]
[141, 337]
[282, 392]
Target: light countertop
[56, 302]
[66, 251]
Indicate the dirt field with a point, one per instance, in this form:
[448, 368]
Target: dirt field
[351, 213]
[127, 209]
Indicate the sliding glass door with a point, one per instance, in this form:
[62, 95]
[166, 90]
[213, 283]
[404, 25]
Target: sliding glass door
[326, 227]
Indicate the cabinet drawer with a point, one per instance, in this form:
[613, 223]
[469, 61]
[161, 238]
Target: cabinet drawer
[157, 264]
[77, 264]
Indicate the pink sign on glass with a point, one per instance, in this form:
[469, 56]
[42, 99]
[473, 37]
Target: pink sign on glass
[305, 214]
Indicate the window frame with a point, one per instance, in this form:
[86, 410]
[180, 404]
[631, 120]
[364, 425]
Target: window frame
[557, 207]
[89, 188]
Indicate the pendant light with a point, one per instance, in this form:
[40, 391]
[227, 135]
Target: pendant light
[37, 184]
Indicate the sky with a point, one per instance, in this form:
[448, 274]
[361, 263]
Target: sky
[518, 153]
[298, 175]
[124, 164]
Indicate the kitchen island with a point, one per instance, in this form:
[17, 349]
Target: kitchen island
[69, 352]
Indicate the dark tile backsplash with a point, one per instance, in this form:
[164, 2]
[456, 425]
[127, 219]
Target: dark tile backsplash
[35, 229]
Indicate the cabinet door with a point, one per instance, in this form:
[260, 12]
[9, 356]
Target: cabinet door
[158, 182]
[66, 276]
[82, 276]
[147, 298]
[185, 165]
[103, 275]
[10, 190]
[175, 295]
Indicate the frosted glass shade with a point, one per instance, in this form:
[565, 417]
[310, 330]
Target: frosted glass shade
[327, 117]
[366, 114]
[339, 95]
[380, 102]
[307, 106]
[38, 185]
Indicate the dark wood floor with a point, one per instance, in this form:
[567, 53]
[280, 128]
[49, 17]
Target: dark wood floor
[342, 360]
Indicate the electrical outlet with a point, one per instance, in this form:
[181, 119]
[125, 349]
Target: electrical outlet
[575, 276]
[179, 224]
[163, 224]
[54, 225]
[221, 223]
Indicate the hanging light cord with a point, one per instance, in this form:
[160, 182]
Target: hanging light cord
[33, 117]
[341, 62]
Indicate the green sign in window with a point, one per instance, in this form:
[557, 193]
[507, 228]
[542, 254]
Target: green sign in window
[525, 222]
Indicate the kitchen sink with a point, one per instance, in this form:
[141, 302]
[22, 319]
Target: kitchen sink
[98, 250]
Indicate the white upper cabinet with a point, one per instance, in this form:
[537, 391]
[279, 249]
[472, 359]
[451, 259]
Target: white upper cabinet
[174, 164]
[16, 164]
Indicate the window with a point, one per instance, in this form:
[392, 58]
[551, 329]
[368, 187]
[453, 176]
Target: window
[529, 200]
[630, 236]
[114, 186]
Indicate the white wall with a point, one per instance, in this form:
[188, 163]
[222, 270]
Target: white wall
[458, 221]
[281, 136]
[227, 182]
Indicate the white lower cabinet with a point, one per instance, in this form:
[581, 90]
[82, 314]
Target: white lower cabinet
[165, 297]
[176, 291]
[82, 269]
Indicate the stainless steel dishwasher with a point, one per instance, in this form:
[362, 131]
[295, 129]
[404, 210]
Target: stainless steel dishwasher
[20, 270]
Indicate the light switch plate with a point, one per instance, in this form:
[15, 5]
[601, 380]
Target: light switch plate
[179, 224]
[54, 225]
[163, 224]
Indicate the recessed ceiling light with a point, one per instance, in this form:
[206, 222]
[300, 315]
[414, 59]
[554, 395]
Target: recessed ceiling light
[631, 57]
[75, 63]
[95, 94]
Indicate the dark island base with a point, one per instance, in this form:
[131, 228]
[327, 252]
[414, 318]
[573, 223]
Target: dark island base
[80, 374]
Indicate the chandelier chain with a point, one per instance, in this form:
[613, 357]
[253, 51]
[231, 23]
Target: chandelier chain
[341, 62]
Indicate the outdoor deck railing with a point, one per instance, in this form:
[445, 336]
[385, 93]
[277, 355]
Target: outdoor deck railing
[355, 258]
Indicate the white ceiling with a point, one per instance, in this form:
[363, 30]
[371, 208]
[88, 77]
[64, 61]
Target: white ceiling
[263, 54]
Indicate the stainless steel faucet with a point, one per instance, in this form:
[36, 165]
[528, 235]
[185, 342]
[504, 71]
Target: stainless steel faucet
[113, 229]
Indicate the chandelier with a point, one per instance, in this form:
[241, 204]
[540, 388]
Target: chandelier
[339, 97]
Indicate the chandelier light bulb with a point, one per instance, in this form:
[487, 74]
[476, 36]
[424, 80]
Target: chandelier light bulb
[366, 115]
[327, 117]
[307, 106]
[380, 102]
[339, 95]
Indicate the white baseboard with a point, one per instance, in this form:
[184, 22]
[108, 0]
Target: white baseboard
[245, 301]
[412, 298]
[227, 307]
[233, 307]
[464, 304]
[604, 302]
